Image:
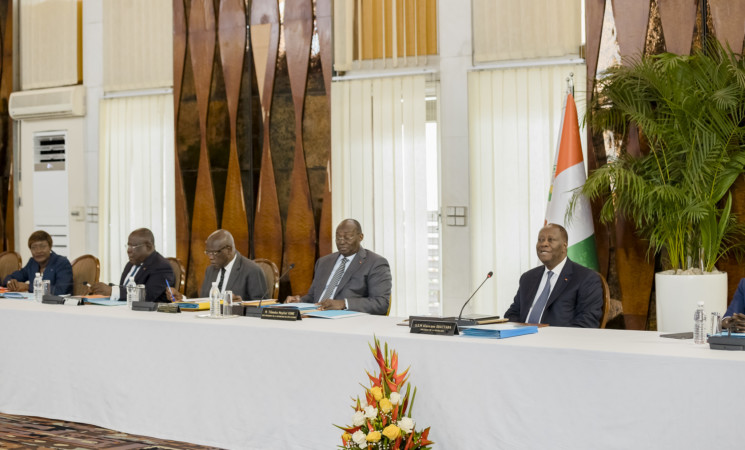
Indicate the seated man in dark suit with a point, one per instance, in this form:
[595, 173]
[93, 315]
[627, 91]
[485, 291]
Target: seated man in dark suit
[734, 318]
[231, 270]
[352, 278]
[560, 292]
[146, 265]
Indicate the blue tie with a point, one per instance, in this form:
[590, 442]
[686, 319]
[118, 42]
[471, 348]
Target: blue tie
[540, 304]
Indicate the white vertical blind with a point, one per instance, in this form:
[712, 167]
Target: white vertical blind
[509, 29]
[50, 43]
[514, 123]
[136, 177]
[138, 44]
[378, 176]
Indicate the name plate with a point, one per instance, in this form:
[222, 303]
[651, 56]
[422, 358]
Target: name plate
[73, 301]
[144, 306]
[436, 327]
[169, 308]
[280, 314]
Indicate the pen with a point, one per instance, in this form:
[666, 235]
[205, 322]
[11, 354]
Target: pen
[173, 299]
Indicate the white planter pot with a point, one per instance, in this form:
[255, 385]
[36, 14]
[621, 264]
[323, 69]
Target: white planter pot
[677, 296]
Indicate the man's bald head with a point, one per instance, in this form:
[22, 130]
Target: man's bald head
[220, 248]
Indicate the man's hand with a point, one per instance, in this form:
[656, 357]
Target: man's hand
[100, 289]
[332, 304]
[17, 286]
[175, 295]
[293, 299]
[736, 323]
[237, 298]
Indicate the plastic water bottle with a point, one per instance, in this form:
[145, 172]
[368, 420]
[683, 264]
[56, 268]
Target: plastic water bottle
[214, 300]
[38, 288]
[699, 320]
[131, 292]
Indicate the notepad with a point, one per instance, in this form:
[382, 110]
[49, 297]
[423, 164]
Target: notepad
[334, 314]
[498, 330]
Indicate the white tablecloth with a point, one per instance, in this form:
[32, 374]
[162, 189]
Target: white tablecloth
[246, 383]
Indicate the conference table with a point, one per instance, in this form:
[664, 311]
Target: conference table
[247, 383]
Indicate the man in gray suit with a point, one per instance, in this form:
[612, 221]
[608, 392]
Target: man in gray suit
[231, 270]
[352, 278]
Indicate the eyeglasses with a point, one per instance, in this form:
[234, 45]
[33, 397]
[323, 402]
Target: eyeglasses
[132, 247]
[215, 252]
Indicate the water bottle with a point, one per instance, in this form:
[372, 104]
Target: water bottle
[699, 320]
[38, 288]
[214, 300]
[131, 292]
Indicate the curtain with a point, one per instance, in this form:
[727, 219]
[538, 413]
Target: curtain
[51, 45]
[392, 32]
[138, 44]
[136, 177]
[378, 156]
[514, 124]
[508, 29]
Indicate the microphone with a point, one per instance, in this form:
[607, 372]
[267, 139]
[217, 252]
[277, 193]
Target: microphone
[460, 321]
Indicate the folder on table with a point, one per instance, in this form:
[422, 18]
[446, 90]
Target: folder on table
[498, 330]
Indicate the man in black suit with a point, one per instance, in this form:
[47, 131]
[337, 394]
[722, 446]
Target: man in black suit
[574, 298]
[352, 278]
[146, 265]
[231, 270]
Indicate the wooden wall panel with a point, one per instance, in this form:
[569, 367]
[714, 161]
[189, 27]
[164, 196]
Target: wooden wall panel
[323, 19]
[729, 22]
[179, 61]
[678, 20]
[265, 42]
[300, 230]
[594, 12]
[232, 38]
[204, 217]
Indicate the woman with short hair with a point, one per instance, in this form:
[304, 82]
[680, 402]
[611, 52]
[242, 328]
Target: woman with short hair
[53, 267]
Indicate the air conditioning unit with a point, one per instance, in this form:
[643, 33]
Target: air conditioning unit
[68, 101]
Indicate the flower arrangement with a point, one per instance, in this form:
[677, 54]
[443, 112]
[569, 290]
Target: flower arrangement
[382, 420]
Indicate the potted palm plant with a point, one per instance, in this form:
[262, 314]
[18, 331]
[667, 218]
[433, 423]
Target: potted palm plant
[690, 113]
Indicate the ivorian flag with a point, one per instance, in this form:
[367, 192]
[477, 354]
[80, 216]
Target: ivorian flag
[569, 174]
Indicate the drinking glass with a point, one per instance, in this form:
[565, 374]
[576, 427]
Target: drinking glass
[227, 303]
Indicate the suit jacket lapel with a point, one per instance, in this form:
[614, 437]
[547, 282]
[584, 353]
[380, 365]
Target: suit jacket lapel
[324, 272]
[234, 271]
[533, 283]
[561, 283]
[354, 266]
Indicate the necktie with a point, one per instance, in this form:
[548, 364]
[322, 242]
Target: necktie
[222, 279]
[540, 304]
[334, 280]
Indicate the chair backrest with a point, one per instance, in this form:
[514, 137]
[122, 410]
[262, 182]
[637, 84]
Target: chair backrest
[271, 274]
[85, 269]
[179, 274]
[9, 263]
[606, 302]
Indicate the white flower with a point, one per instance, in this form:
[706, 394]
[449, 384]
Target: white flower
[395, 398]
[371, 412]
[359, 438]
[406, 424]
[358, 418]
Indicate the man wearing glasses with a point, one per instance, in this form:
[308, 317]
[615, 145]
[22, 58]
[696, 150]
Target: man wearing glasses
[231, 270]
[147, 266]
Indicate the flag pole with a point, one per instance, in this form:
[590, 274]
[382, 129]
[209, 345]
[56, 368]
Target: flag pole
[570, 84]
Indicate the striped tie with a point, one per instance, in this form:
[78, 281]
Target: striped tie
[335, 280]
